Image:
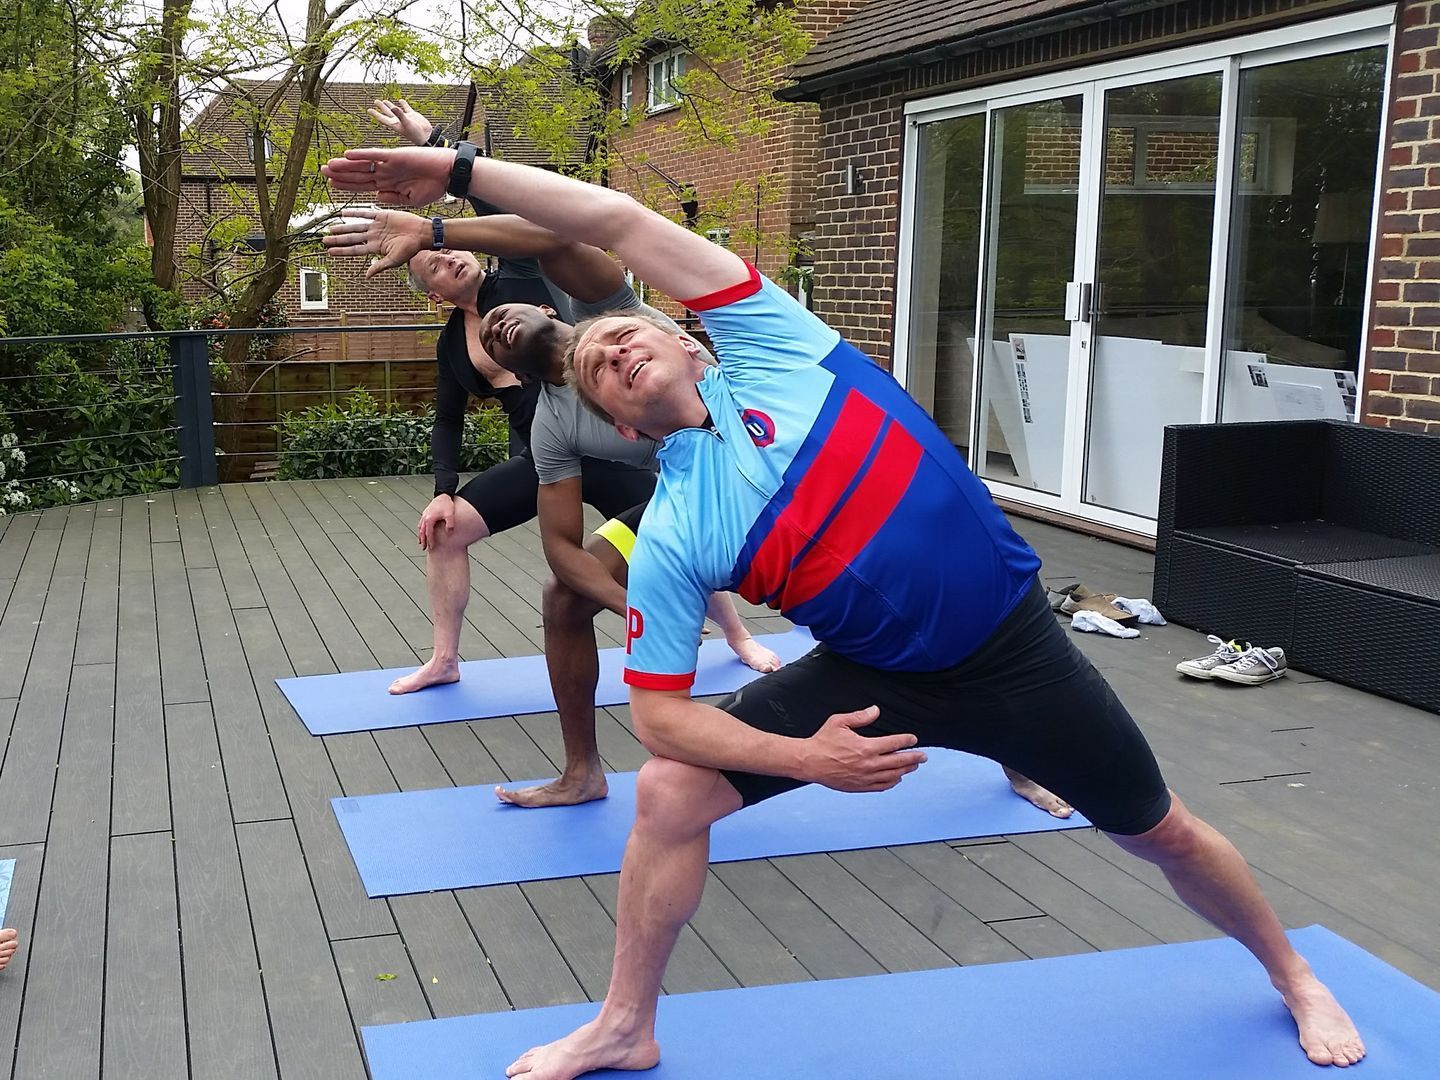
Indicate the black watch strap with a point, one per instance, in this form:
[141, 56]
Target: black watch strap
[437, 232]
[460, 172]
[436, 139]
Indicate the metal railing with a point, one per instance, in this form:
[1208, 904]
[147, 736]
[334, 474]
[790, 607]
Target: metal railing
[184, 383]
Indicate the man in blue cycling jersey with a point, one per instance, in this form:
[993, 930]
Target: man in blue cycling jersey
[801, 475]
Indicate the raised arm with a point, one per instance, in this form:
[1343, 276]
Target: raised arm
[585, 272]
[660, 252]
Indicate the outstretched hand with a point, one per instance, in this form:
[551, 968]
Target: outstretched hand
[841, 759]
[400, 118]
[393, 235]
[400, 175]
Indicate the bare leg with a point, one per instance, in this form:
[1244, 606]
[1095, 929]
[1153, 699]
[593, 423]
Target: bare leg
[574, 666]
[9, 943]
[661, 881]
[751, 652]
[447, 577]
[1208, 873]
[1033, 793]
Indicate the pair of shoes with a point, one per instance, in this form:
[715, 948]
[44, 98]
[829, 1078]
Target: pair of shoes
[1075, 598]
[1248, 664]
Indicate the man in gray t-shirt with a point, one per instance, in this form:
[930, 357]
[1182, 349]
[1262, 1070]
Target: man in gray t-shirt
[590, 575]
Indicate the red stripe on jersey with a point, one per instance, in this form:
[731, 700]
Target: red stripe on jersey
[840, 457]
[648, 681]
[749, 287]
[862, 516]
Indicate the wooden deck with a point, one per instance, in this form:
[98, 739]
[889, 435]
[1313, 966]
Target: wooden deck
[190, 910]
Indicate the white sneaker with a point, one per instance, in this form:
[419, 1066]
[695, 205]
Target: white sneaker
[1204, 667]
[1255, 666]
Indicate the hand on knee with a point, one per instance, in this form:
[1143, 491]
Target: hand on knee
[680, 799]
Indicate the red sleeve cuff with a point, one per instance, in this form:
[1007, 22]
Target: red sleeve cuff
[648, 681]
[749, 287]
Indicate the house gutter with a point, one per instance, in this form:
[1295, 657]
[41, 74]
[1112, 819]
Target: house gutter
[809, 89]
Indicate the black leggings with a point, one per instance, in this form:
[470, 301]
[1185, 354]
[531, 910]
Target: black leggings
[1026, 698]
[504, 494]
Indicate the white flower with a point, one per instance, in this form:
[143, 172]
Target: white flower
[8, 440]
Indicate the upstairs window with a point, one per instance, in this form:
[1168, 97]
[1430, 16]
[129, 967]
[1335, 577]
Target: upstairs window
[664, 70]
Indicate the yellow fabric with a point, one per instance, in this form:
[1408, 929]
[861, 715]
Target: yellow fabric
[620, 536]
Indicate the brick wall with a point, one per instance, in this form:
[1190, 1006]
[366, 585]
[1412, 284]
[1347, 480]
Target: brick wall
[764, 186]
[855, 245]
[206, 204]
[1402, 381]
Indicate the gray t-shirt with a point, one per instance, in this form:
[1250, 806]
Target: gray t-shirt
[565, 430]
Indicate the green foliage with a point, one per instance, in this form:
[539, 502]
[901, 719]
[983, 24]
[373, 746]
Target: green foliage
[92, 421]
[62, 132]
[365, 435]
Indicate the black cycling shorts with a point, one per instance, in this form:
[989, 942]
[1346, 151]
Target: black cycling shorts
[1026, 698]
[504, 494]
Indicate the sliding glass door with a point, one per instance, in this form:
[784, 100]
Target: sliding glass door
[1160, 242]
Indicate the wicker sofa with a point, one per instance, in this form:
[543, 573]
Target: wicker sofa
[1316, 535]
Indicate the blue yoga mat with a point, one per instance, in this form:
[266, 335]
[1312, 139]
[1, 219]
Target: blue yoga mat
[1198, 1011]
[7, 875]
[513, 686]
[455, 838]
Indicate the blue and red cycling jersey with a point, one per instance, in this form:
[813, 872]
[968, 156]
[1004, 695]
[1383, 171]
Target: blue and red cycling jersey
[824, 491]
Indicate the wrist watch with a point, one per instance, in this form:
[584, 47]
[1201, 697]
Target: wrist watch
[437, 232]
[460, 172]
[435, 138]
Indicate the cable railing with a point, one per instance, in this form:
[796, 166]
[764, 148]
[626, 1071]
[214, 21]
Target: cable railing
[90, 416]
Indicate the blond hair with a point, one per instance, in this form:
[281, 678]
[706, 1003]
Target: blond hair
[572, 377]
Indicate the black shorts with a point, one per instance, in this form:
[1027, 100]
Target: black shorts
[504, 494]
[1027, 698]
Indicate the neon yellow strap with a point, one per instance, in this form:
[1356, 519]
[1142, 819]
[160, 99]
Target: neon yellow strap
[620, 536]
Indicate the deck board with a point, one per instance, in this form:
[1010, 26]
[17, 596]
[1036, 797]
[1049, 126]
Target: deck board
[173, 818]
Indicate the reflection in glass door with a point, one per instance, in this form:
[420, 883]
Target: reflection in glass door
[1300, 236]
[1152, 283]
[949, 205]
[1024, 352]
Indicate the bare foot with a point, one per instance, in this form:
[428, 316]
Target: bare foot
[1033, 793]
[9, 943]
[1327, 1034]
[562, 792]
[585, 1050]
[755, 655]
[434, 673]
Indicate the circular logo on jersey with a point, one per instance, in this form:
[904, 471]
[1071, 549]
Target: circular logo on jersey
[760, 427]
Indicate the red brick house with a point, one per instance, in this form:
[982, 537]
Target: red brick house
[1068, 223]
[759, 195]
[218, 195]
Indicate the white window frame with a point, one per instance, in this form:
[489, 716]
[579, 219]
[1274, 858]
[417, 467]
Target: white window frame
[250, 147]
[671, 66]
[720, 236]
[627, 87]
[323, 304]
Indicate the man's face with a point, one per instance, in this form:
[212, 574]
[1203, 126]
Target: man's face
[628, 365]
[451, 277]
[522, 338]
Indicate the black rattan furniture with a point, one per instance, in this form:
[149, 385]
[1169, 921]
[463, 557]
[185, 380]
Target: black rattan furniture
[1320, 536]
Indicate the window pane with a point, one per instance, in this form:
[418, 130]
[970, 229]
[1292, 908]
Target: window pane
[1300, 239]
[947, 261]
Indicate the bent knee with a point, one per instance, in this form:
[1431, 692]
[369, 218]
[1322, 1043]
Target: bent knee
[672, 794]
[563, 604]
[1178, 835]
